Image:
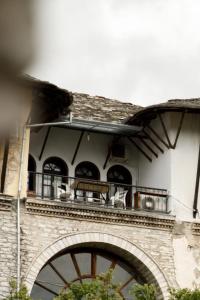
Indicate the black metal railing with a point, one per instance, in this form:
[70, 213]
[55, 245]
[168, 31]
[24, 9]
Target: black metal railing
[96, 193]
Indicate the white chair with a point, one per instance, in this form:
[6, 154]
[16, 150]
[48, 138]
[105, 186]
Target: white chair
[120, 196]
[63, 192]
[89, 196]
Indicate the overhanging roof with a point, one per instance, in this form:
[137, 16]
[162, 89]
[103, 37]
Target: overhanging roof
[49, 101]
[145, 115]
[102, 127]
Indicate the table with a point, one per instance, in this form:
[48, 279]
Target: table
[90, 186]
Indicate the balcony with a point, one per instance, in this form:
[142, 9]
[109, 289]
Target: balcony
[98, 194]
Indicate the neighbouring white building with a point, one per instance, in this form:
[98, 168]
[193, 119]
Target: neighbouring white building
[92, 183]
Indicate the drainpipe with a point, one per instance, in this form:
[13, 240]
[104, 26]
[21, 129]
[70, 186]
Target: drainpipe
[18, 209]
[196, 193]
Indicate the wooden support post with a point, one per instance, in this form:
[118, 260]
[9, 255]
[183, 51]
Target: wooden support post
[93, 265]
[165, 130]
[107, 157]
[158, 136]
[148, 147]
[179, 129]
[77, 147]
[44, 143]
[196, 192]
[153, 142]
[4, 165]
[140, 149]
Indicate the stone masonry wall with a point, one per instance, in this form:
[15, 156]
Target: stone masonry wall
[41, 231]
[8, 249]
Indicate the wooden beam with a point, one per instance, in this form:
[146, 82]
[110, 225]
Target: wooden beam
[158, 136]
[77, 147]
[148, 147]
[58, 273]
[107, 157]
[127, 282]
[93, 264]
[140, 149]
[165, 130]
[115, 140]
[45, 141]
[196, 192]
[4, 165]
[153, 142]
[113, 264]
[76, 266]
[45, 288]
[179, 129]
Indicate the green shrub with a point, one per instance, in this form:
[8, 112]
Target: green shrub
[184, 294]
[22, 294]
[143, 292]
[101, 288]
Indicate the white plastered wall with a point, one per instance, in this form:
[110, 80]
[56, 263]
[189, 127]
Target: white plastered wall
[62, 143]
[176, 169]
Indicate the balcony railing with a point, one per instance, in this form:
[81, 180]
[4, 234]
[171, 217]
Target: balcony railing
[96, 193]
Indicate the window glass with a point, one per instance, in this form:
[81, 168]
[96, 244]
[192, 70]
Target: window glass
[103, 264]
[66, 267]
[77, 266]
[49, 279]
[84, 262]
[126, 289]
[120, 275]
[87, 170]
[40, 293]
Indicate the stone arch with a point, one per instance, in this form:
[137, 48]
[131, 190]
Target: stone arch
[151, 268]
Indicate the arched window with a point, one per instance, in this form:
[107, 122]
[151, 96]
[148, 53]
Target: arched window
[31, 171]
[87, 170]
[82, 265]
[122, 180]
[119, 174]
[55, 171]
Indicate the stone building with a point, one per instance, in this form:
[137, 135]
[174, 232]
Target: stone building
[107, 185]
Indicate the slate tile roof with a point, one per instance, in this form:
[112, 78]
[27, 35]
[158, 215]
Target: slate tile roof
[181, 102]
[102, 109]
[147, 113]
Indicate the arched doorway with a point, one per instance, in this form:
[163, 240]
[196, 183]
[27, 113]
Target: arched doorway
[89, 171]
[31, 173]
[122, 181]
[130, 257]
[55, 172]
[80, 265]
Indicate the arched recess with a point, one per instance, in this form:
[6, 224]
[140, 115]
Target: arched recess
[55, 172]
[31, 173]
[122, 180]
[87, 170]
[132, 254]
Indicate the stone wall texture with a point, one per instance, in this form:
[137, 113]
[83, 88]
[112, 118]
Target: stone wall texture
[8, 249]
[39, 231]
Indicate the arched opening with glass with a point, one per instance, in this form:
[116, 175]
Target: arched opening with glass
[80, 265]
[88, 173]
[121, 187]
[55, 172]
